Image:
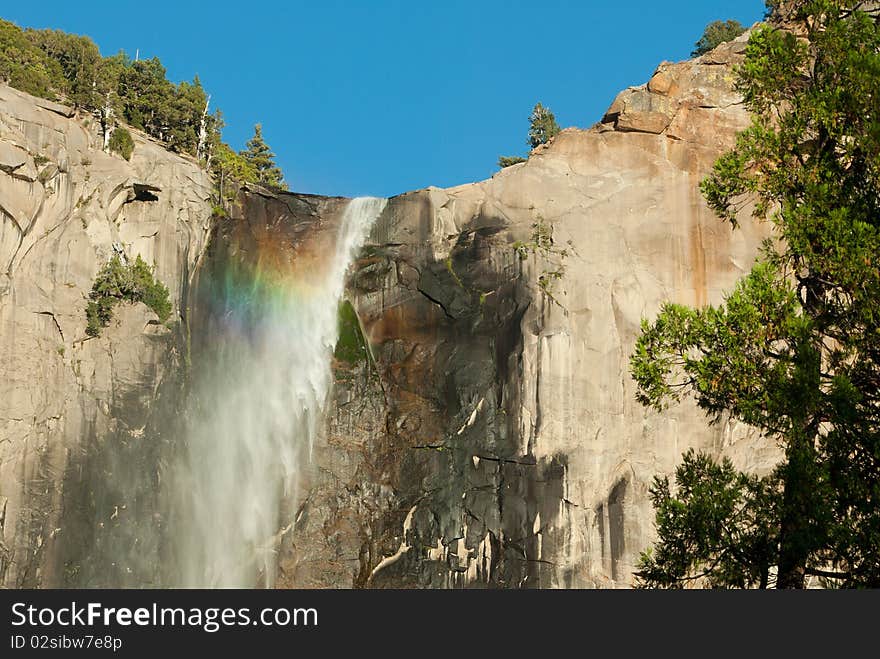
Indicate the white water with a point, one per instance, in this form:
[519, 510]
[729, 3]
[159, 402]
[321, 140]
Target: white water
[259, 408]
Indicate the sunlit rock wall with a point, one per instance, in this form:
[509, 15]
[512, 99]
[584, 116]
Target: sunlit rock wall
[78, 447]
[510, 450]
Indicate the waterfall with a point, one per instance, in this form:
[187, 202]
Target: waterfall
[255, 410]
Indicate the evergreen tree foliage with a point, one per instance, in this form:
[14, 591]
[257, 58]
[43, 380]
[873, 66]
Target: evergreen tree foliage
[25, 66]
[260, 158]
[507, 161]
[542, 126]
[122, 143]
[230, 169]
[714, 509]
[124, 281]
[795, 350]
[147, 97]
[116, 90]
[715, 34]
[187, 112]
[79, 60]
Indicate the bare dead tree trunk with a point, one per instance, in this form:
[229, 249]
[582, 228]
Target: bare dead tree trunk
[106, 121]
[203, 133]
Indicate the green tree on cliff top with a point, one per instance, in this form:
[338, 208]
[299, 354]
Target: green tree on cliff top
[795, 350]
[260, 157]
[80, 62]
[542, 128]
[116, 90]
[25, 66]
[715, 34]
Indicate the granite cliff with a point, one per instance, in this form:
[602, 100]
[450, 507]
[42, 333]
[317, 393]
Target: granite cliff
[483, 431]
[74, 410]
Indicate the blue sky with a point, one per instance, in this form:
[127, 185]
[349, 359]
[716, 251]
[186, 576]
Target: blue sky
[382, 97]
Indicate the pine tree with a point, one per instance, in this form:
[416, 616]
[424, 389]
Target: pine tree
[260, 157]
[80, 61]
[230, 169]
[795, 350]
[147, 97]
[25, 66]
[187, 111]
[542, 126]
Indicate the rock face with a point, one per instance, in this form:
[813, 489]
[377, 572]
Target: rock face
[75, 412]
[482, 430]
[513, 452]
